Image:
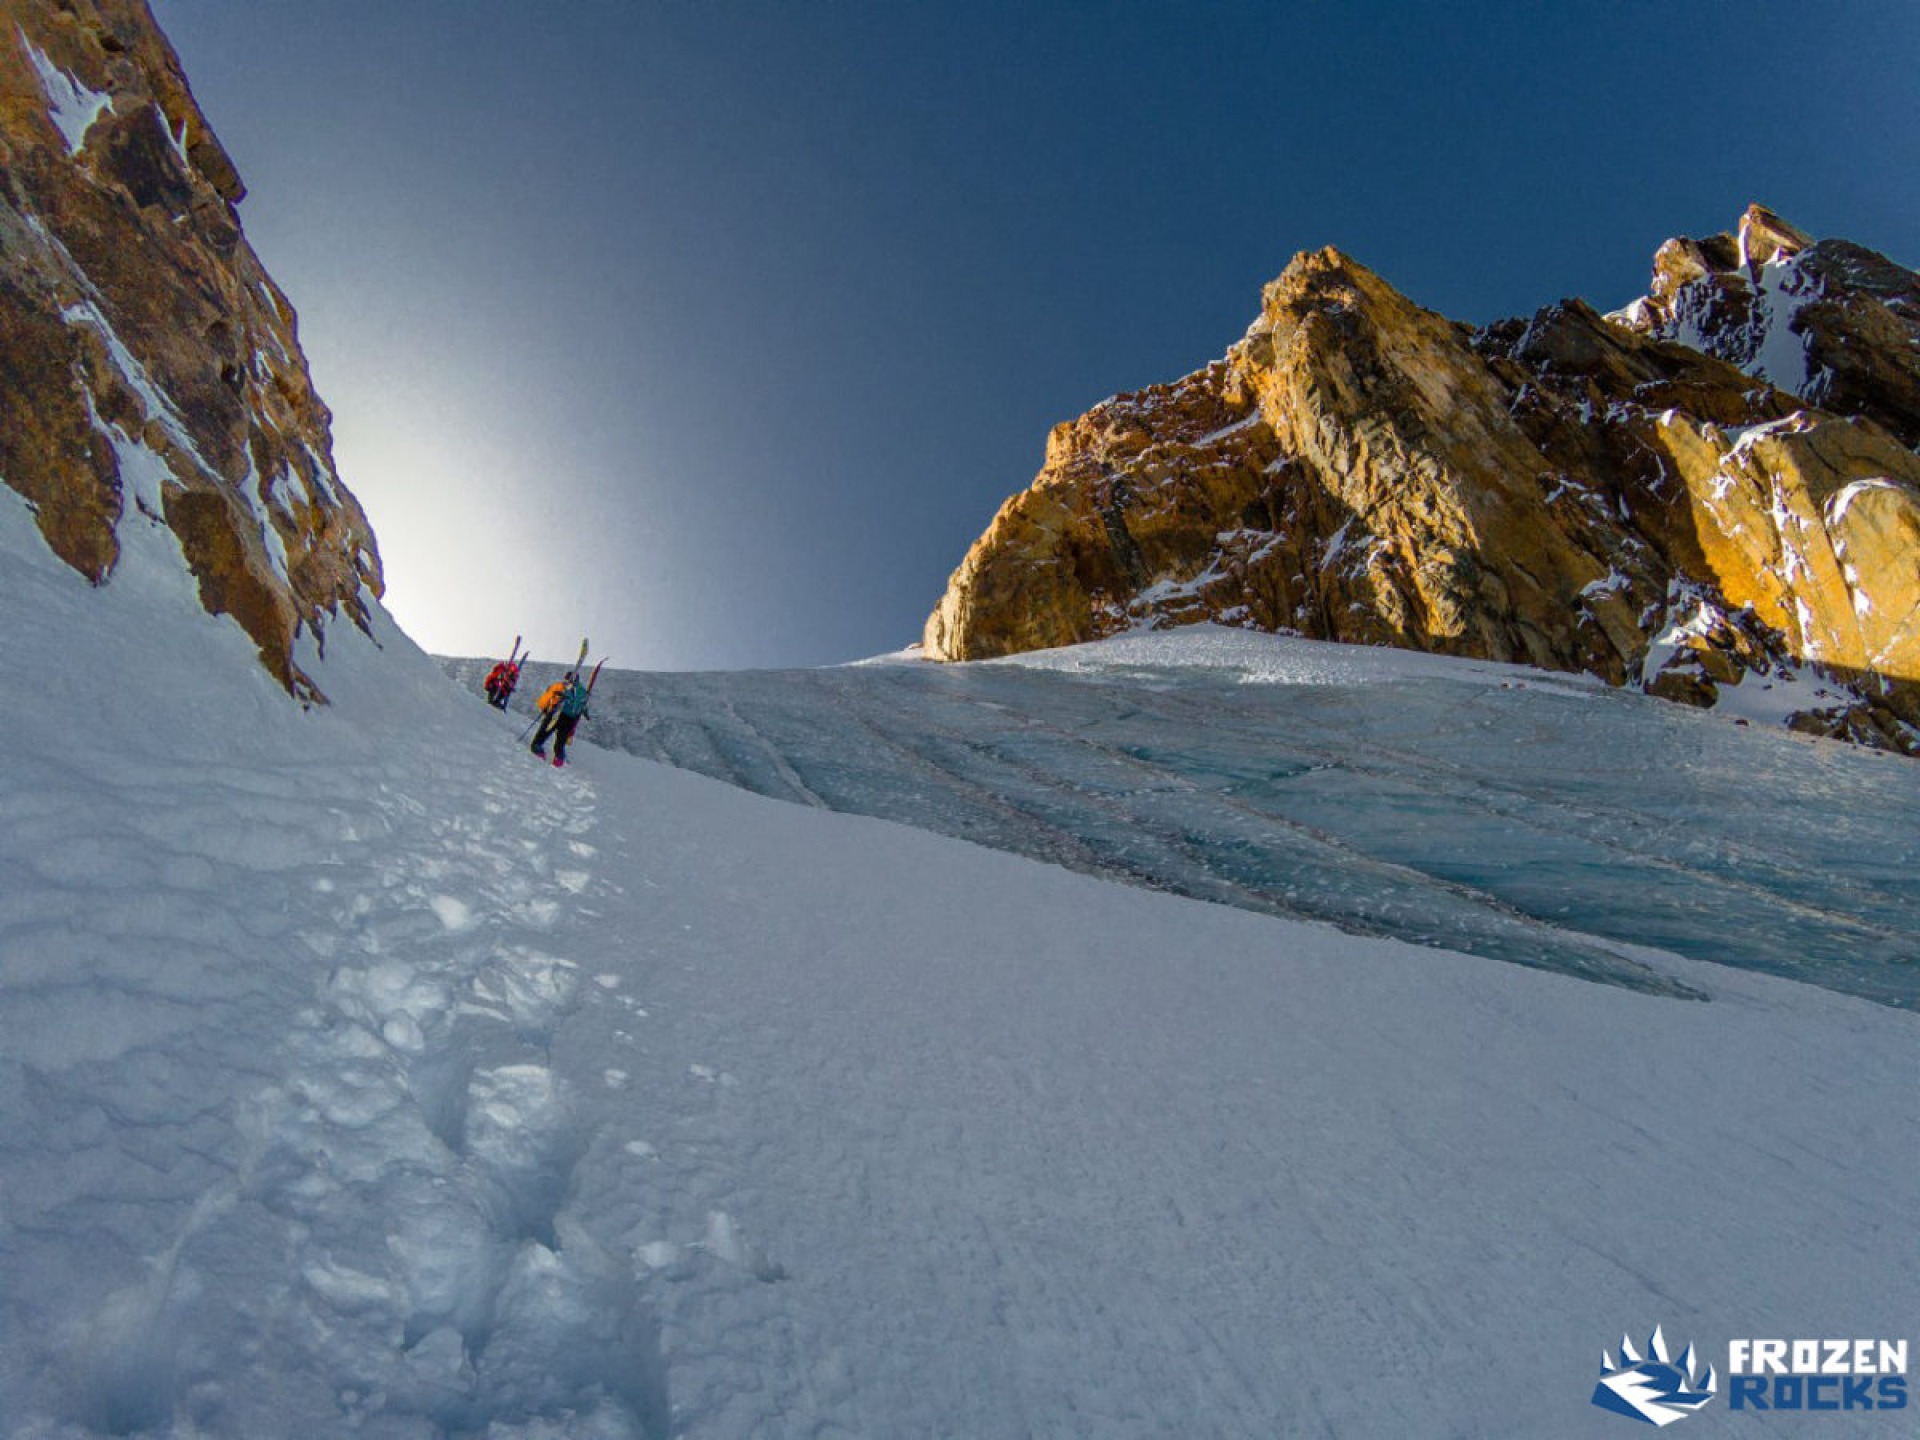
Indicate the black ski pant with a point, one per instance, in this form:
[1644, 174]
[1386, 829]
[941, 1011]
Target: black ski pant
[548, 719]
[562, 733]
[560, 727]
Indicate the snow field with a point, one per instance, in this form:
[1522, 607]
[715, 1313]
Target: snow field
[1036, 1155]
[1478, 807]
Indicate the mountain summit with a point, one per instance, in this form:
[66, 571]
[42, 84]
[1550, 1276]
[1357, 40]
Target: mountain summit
[1711, 491]
[149, 367]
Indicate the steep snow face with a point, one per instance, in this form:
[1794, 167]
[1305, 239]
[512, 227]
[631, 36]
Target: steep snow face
[1527, 816]
[1758, 328]
[359, 1075]
[281, 1153]
[1829, 321]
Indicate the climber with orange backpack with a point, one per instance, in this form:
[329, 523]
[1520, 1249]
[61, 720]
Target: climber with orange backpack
[562, 707]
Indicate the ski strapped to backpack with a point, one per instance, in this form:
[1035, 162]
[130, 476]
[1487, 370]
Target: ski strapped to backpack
[575, 706]
[502, 673]
[578, 663]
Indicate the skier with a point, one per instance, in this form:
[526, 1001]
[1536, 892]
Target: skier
[501, 682]
[562, 709]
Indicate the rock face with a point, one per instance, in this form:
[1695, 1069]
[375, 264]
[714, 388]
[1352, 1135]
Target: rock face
[1828, 320]
[149, 368]
[1712, 490]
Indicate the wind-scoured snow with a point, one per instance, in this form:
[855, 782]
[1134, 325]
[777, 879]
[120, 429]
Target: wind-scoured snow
[155, 400]
[177, 137]
[1842, 499]
[363, 1076]
[143, 473]
[1534, 817]
[71, 106]
[1782, 289]
[1763, 337]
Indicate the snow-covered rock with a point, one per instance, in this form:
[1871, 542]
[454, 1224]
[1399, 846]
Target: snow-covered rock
[149, 367]
[1828, 320]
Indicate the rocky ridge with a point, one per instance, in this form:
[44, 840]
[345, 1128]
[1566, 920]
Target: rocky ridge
[1712, 491]
[150, 371]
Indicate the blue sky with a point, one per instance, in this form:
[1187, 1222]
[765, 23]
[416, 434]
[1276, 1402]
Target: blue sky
[719, 330]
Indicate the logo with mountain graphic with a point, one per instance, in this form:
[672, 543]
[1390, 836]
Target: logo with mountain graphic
[1652, 1388]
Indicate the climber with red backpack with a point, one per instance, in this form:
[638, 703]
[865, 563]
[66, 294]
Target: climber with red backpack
[504, 677]
[501, 682]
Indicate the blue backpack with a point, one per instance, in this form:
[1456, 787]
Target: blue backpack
[573, 702]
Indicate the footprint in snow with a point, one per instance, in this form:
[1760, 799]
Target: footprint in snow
[725, 1242]
[657, 1254]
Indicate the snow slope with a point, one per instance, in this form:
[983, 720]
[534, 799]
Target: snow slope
[361, 1076]
[1510, 812]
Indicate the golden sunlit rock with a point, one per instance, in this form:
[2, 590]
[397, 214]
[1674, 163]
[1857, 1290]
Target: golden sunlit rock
[1572, 491]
